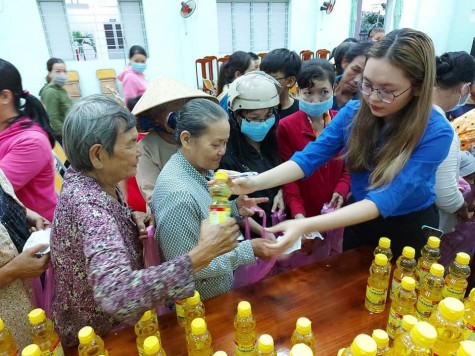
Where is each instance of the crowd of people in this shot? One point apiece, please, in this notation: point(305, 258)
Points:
point(367, 136)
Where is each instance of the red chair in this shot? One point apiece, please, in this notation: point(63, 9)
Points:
point(306, 54)
point(322, 53)
point(262, 54)
point(214, 65)
point(206, 66)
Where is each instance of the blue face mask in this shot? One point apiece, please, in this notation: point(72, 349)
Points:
point(257, 131)
point(315, 109)
point(138, 67)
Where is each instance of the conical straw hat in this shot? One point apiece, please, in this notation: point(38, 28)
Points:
point(165, 90)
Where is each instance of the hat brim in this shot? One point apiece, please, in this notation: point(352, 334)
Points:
point(165, 90)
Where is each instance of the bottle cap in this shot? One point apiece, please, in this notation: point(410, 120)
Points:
point(408, 252)
point(364, 345)
point(381, 337)
point(266, 343)
point(31, 350)
point(303, 326)
point(433, 242)
point(423, 334)
point(380, 259)
point(466, 348)
point(37, 316)
point(151, 345)
point(408, 321)
point(340, 352)
point(437, 270)
point(301, 350)
point(198, 326)
point(220, 353)
point(146, 316)
point(195, 299)
point(2, 325)
point(86, 335)
point(244, 309)
point(384, 242)
point(408, 283)
point(221, 175)
point(462, 258)
point(451, 308)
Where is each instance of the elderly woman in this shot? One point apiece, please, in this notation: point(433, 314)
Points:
point(95, 246)
point(163, 97)
point(17, 266)
point(181, 199)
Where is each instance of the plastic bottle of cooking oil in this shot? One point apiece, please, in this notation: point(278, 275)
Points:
point(448, 321)
point(180, 312)
point(430, 254)
point(145, 327)
point(220, 208)
point(382, 341)
point(30, 350)
point(193, 309)
point(407, 323)
point(199, 339)
point(301, 350)
point(245, 336)
point(430, 292)
point(7, 344)
point(384, 247)
point(303, 333)
point(378, 282)
point(466, 348)
point(404, 303)
point(153, 347)
point(469, 316)
point(456, 280)
point(43, 333)
point(265, 346)
point(90, 344)
point(418, 342)
point(362, 345)
point(405, 266)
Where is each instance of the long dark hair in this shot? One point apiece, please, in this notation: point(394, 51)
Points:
point(32, 108)
point(238, 62)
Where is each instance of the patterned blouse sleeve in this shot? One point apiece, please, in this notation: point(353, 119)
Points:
point(179, 224)
point(121, 291)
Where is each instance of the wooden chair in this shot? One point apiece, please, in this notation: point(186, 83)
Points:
point(262, 54)
point(60, 164)
point(108, 84)
point(222, 60)
point(306, 54)
point(72, 85)
point(322, 53)
point(213, 68)
point(206, 67)
point(209, 87)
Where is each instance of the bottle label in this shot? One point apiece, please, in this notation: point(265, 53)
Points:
point(376, 296)
point(56, 349)
point(425, 306)
point(242, 350)
point(218, 215)
point(394, 322)
point(396, 283)
point(469, 332)
point(180, 312)
point(422, 272)
point(451, 291)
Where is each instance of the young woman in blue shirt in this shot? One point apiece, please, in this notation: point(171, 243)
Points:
point(393, 142)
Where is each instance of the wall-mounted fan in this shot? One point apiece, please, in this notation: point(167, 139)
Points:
point(187, 8)
point(328, 6)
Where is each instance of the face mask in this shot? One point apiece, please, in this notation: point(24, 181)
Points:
point(138, 67)
point(59, 79)
point(315, 109)
point(460, 104)
point(257, 131)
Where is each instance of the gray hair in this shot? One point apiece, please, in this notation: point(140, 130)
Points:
point(95, 119)
point(196, 116)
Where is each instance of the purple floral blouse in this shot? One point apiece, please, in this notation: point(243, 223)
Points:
point(97, 258)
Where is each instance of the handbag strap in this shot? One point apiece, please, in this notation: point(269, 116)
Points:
point(247, 226)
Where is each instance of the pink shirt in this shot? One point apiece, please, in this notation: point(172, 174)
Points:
point(27, 160)
point(133, 84)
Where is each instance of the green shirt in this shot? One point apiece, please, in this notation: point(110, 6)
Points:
point(57, 103)
point(180, 201)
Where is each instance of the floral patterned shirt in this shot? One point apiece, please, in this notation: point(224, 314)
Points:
point(98, 264)
point(180, 201)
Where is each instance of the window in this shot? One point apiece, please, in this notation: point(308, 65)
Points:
point(86, 30)
point(253, 25)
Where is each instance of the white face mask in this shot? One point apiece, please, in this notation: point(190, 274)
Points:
point(59, 79)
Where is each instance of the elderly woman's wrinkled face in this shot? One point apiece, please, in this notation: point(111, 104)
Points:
point(123, 163)
point(352, 74)
point(206, 151)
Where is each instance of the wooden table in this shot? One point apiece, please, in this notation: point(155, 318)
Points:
point(330, 293)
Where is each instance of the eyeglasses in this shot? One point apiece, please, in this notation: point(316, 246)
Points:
point(280, 78)
point(386, 96)
point(269, 114)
